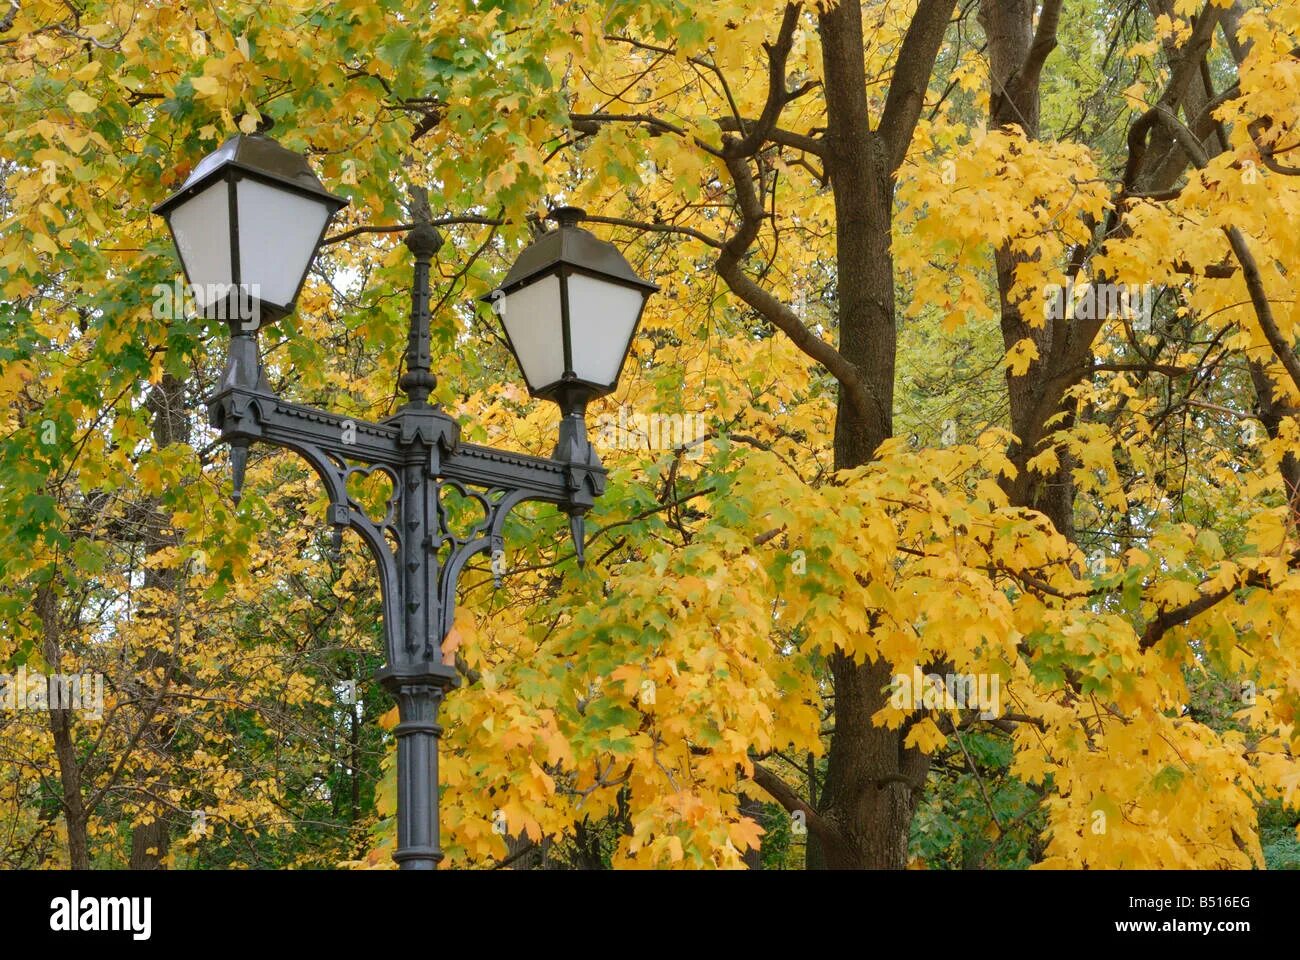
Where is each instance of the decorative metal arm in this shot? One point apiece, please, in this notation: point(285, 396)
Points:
point(418, 554)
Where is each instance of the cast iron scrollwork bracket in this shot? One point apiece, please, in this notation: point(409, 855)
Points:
point(418, 553)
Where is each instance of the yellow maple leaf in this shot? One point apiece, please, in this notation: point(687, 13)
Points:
point(1021, 356)
point(82, 102)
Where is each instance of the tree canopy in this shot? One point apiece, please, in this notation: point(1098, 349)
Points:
point(987, 315)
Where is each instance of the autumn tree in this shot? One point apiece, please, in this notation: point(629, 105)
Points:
point(882, 232)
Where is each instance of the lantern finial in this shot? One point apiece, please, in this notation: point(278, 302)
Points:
point(567, 216)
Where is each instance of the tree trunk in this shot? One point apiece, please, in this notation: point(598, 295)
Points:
point(149, 846)
point(877, 782)
point(65, 749)
point(1014, 76)
point(873, 782)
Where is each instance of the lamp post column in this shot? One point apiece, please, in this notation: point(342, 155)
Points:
point(420, 680)
point(418, 731)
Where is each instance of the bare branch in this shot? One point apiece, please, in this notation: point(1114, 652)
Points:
point(773, 310)
point(1283, 348)
point(777, 95)
point(777, 135)
point(403, 227)
point(785, 795)
point(658, 227)
point(590, 123)
point(911, 78)
point(1044, 42)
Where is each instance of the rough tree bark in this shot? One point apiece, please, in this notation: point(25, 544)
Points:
point(65, 748)
point(1017, 52)
point(874, 783)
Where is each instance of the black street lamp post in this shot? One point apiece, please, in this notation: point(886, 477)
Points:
point(247, 224)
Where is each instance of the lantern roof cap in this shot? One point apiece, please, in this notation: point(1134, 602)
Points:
point(569, 245)
point(259, 156)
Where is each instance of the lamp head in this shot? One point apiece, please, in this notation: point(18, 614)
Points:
point(570, 307)
point(247, 223)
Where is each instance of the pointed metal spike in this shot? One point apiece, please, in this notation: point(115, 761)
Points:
point(578, 529)
point(238, 465)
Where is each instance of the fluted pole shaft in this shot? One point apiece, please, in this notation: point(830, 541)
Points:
point(418, 380)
